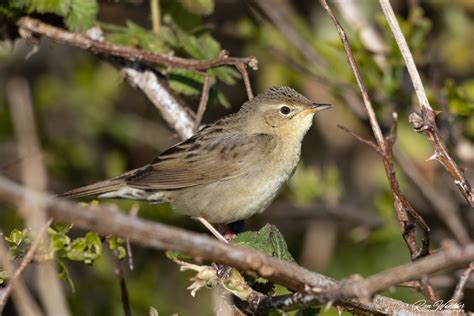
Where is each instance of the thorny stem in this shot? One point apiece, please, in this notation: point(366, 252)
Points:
point(402, 205)
point(426, 124)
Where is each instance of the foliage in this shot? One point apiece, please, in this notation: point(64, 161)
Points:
point(268, 239)
point(61, 247)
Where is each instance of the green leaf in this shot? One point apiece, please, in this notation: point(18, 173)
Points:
point(116, 246)
point(3, 276)
point(186, 82)
point(64, 275)
point(62, 228)
point(268, 240)
point(59, 7)
point(198, 7)
point(172, 255)
point(82, 14)
point(94, 243)
point(16, 237)
point(76, 251)
point(221, 98)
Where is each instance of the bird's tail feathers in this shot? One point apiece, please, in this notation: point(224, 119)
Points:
point(95, 188)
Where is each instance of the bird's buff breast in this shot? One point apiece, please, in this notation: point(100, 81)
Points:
point(237, 198)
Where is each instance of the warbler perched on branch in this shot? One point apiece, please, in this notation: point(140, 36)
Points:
point(229, 170)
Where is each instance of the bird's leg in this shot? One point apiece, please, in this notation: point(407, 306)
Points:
point(211, 228)
point(232, 229)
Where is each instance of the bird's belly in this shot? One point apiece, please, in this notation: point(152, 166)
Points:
point(232, 200)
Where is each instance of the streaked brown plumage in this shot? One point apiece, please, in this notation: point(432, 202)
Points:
point(231, 169)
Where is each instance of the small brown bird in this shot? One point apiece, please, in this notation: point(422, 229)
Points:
point(229, 170)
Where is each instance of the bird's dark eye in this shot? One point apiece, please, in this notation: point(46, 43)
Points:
point(285, 110)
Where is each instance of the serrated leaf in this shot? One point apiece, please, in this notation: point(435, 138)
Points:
point(198, 7)
point(82, 14)
point(268, 239)
point(59, 7)
point(280, 248)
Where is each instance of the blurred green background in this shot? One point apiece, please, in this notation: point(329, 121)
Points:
point(336, 213)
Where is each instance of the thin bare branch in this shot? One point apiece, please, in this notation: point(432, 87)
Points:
point(203, 103)
point(384, 148)
point(407, 56)
point(426, 123)
point(403, 207)
point(361, 139)
point(369, 35)
point(459, 291)
point(355, 68)
point(279, 14)
point(30, 26)
point(443, 206)
point(174, 113)
point(245, 76)
point(123, 285)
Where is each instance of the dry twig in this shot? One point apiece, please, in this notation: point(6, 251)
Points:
point(443, 206)
point(459, 291)
point(384, 148)
point(123, 285)
point(426, 123)
point(203, 103)
point(29, 26)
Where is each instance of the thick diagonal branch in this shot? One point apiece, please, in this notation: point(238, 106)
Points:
point(108, 221)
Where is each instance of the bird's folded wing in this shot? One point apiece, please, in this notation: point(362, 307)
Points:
point(203, 160)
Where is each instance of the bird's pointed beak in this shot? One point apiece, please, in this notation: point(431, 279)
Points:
point(317, 107)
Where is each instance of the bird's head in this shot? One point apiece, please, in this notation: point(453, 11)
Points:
point(282, 111)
